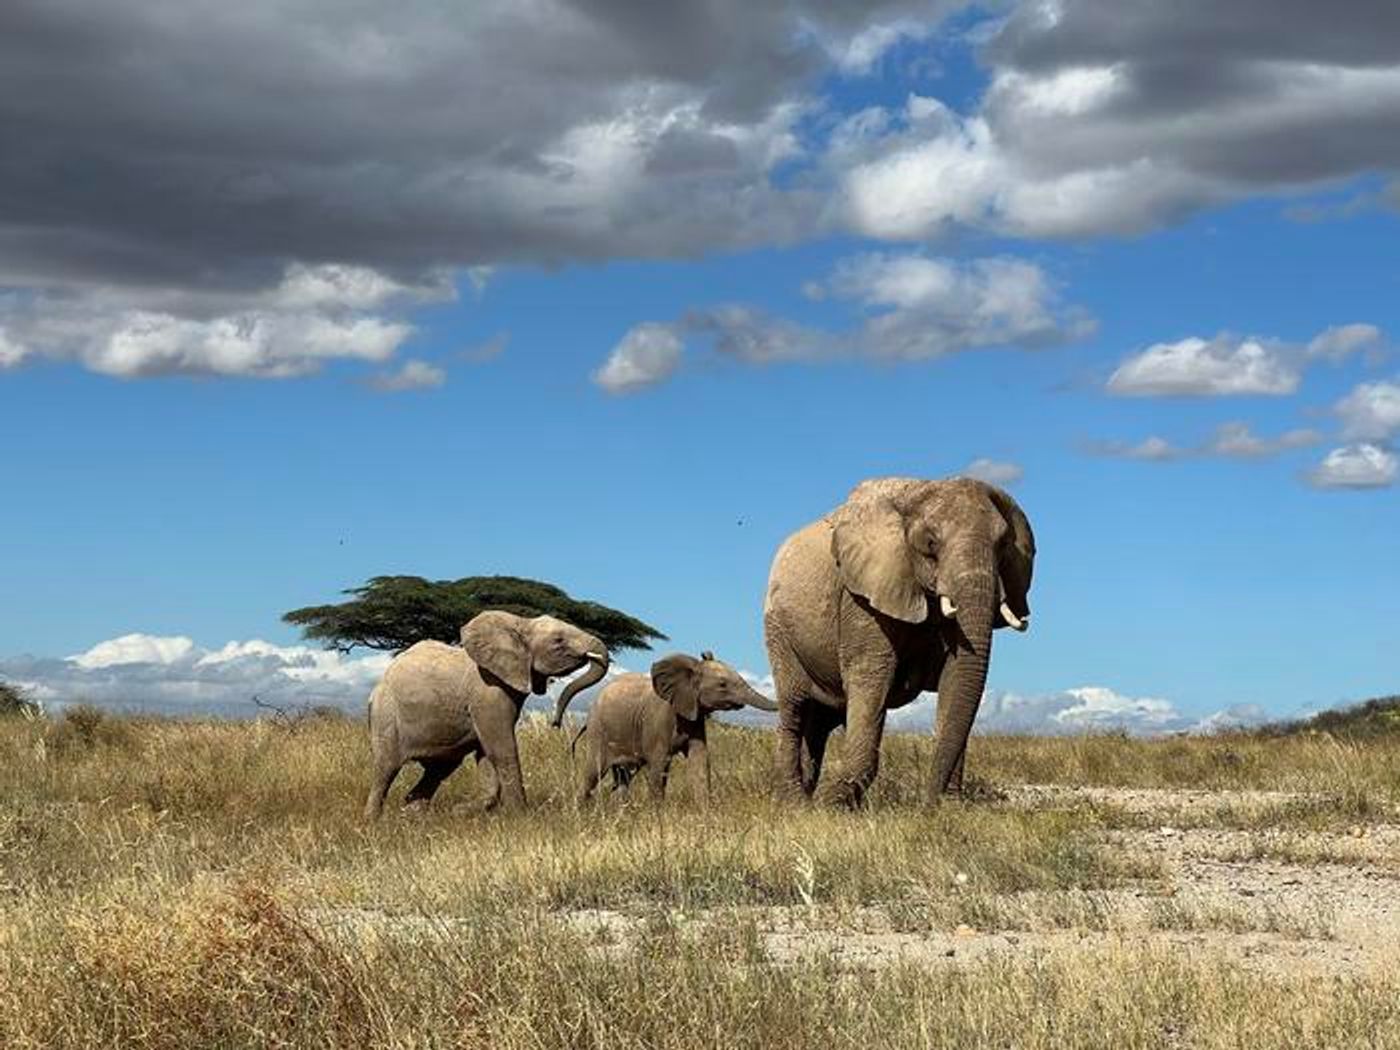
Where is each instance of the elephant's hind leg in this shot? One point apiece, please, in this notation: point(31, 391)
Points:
point(588, 779)
point(384, 775)
point(622, 779)
point(435, 771)
point(818, 722)
point(788, 772)
point(657, 775)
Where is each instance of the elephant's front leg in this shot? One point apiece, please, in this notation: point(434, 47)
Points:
point(490, 783)
point(657, 774)
point(495, 716)
point(697, 757)
point(868, 681)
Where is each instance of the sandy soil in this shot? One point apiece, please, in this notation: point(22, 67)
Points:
point(1278, 900)
point(1336, 912)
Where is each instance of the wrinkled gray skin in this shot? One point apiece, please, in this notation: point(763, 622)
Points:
point(855, 626)
point(643, 721)
point(437, 704)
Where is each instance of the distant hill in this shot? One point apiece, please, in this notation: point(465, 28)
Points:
point(1378, 717)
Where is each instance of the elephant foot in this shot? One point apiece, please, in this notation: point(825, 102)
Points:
point(971, 790)
point(843, 794)
point(933, 798)
point(790, 792)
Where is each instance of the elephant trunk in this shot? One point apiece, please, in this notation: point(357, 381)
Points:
point(759, 701)
point(597, 668)
point(964, 674)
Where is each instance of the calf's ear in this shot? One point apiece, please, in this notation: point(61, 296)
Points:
point(676, 680)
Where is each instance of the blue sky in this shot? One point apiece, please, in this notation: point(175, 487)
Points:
point(847, 247)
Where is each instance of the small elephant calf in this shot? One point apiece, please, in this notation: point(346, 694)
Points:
point(643, 721)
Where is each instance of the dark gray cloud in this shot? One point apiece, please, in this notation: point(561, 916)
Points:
point(171, 172)
point(168, 170)
point(1203, 33)
point(1114, 116)
point(209, 144)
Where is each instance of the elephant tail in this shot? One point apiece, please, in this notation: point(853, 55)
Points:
point(369, 708)
point(578, 733)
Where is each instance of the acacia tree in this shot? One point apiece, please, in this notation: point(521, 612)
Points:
point(393, 612)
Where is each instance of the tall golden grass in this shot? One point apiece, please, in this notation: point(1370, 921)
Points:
point(169, 884)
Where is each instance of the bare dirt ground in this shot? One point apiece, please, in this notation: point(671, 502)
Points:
point(1281, 900)
point(1275, 900)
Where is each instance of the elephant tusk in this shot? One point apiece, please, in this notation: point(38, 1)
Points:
point(597, 658)
point(946, 606)
point(1012, 620)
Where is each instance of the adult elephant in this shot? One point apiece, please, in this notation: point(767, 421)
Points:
point(894, 593)
point(437, 704)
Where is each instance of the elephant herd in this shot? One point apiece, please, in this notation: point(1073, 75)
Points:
point(894, 593)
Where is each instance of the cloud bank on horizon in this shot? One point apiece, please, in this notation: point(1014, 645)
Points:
point(171, 675)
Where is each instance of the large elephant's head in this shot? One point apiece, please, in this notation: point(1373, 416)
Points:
point(694, 687)
point(524, 653)
point(959, 550)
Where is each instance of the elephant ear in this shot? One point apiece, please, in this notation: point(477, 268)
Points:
point(1017, 557)
point(494, 640)
point(676, 680)
point(872, 553)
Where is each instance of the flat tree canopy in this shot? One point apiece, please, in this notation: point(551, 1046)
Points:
point(393, 612)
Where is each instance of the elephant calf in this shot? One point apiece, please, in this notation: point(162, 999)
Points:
point(437, 704)
point(643, 721)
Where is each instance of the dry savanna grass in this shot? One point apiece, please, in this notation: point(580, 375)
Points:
point(170, 883)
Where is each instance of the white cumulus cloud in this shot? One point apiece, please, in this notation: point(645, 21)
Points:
point(411, 375)
point(1207, 368)
point(11, 353)
point(313, 316)
point(171, 674)
point(1114, 117)
point(134, 649)
point(1359, 466)
point(647, 354)
point(1371, 412)
point(1082, 709)
point(1237, 440)
point(907, 306)
point(1232, 440)
point(1153, 449)
point(1342, 341)
point(998, 472)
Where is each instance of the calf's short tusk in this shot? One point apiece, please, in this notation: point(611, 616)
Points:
point(597, 658)
point(1014, 621)
point(946, 606)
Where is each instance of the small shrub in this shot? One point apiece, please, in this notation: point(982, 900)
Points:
point(13, 702)
point(84, 728)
